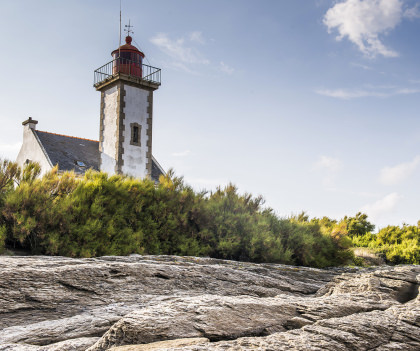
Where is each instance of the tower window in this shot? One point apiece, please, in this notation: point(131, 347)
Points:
point(135, 134)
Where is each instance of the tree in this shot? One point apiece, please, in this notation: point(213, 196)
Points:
point(358, 225)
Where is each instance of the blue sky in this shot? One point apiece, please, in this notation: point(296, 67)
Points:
point(312, 104)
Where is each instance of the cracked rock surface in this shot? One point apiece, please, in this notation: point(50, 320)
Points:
point(187, 303)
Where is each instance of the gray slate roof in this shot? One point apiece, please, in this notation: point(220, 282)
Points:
point(66, 151)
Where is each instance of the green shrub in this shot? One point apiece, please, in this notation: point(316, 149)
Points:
point(97, 214)
point(358, 225)
point(397, 244)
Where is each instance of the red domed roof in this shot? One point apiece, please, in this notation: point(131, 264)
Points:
point(127, 47)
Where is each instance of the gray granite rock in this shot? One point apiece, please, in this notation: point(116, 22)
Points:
point(396, 328)
point(79, 344)
point(56, 303)
point(161, 344)
point(33, 289)
point(226, 317)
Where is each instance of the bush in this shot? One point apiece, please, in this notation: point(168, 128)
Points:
point(9, 174)
point(358, 225)
point(331, 240)
point(97, 214)
point(398, 245)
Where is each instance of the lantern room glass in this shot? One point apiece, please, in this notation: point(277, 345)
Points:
point(128, 63)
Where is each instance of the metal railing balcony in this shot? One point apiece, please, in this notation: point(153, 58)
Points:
point(127, 67)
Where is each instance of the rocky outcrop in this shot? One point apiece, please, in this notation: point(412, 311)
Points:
point(221, 318)
point(393, 329)
point(162, 345)
point(68, 345)
point(128, 303)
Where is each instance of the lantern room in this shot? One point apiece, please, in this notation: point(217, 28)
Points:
point(127, 59)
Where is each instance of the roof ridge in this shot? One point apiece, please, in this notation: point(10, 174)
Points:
point(67, 136)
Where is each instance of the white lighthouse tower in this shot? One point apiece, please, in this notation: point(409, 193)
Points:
point(126, 114)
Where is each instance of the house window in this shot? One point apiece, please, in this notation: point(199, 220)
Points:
point(135, 134)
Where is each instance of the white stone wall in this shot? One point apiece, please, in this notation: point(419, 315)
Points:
point(110, 137)
point(135, 157)
point(31, 150)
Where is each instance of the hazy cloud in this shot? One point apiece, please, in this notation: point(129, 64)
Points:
point(9, 151)
point(181, 154)
point(413, 12)
point(329, 163)
point(225, 68)
point(330, 166)
point(179, 66)
point(381, 207)
point(197, 37)
point(206, 183)
point(365, 194)
point(180, 49)
point(397, 174)
point(363, 21)
point(365, 67)
point(378, 92)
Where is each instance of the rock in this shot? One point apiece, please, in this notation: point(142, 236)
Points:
point(399, 283)
point(18, 347)
point(93, 322)
point(369, 256)
point(41, 289)
point(161, 344)
point(56, 303)
point(79, 344)
point(225, 317)
point(394, 329)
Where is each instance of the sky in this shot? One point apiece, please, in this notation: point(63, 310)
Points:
point(313, 104)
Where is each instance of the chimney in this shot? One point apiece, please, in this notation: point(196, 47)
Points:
point(30, 123)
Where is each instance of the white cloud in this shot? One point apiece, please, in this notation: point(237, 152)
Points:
point(225, 68)
point(365, 67)
point(397, 174)
point(330, 166)
point(180, 49)
point(197, 37)
point(207, 181)
point(363, 21)
point(9, 151)
point(181, 154)
point(406, 91)
point(378, 92)
point(365, 194)
point(329, 163)
point(413, 12)
point(179, 66)
point(381, 207)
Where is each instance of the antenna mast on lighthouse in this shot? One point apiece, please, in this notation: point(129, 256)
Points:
point(119, 50)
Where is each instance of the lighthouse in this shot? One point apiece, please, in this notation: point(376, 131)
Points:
point(126, 112)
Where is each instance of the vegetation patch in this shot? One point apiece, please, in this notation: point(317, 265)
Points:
point(97, 214)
